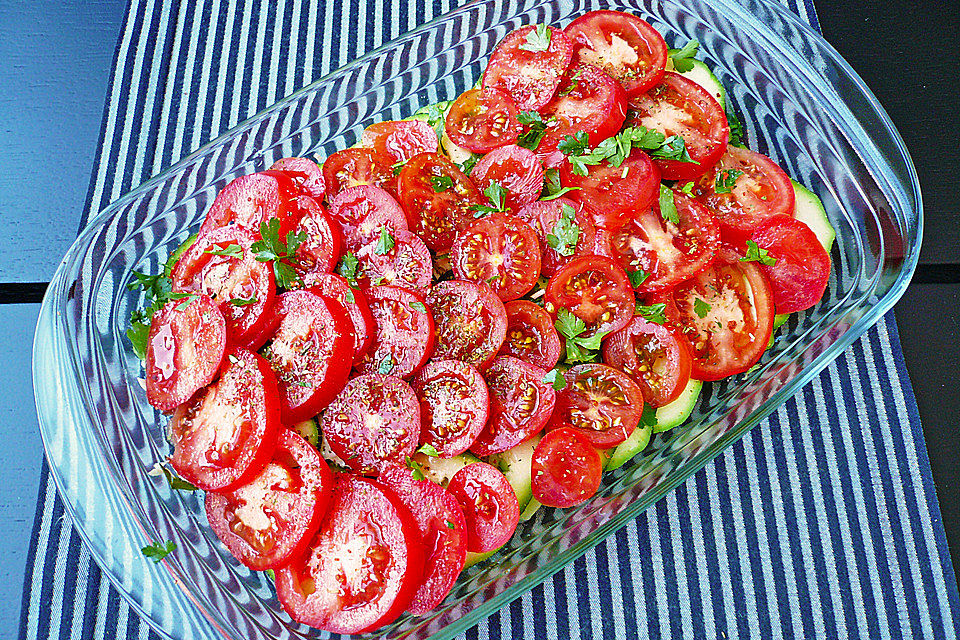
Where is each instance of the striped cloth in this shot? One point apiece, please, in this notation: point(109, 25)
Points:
point(794, 532)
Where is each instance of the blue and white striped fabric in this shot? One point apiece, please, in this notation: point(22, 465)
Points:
point(818, 524)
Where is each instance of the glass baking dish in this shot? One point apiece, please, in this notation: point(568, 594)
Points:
point(801, 104)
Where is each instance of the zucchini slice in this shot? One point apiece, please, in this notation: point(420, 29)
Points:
point(309, 430)
point(809, 209)
point(703, 76)
point(676, 413)
point(441, 470)
point(515, 465)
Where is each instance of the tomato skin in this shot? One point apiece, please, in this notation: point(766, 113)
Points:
point(514, 168)
point(400, 140)
point(443, 529)
point(705, 130)
point(436, 216)
point(520, 405)
point(655, 356)
point(364, 520)
point(489, 506)
point(454, 405)
point(592, 287)
point(407, 264)
point(362, 212)
point(403, 332)
point(589, 100)
point(565, 469)
point(592, 35)
point(611, 198)
point(501, 250)
point(319, 252)
point(470, 320)
point(185, 347)
point(246, 391)
point(482, 120)
point(354, 301)
point(801, 272)
point(543, 216)
point(253, 199)
point(355, 167)
point(529, 77)
point(376, 418)
point(299, 482)
point(531, 336)
point(306, 175)
point(306, 353)
point(603, 405)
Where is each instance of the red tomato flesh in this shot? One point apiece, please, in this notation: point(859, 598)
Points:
point(319, 252)
point(531, 336)
point(589, 100)
point(655, 356)
point(401, 139)
point(454, 405)
point(362, 212)
point(601, 404)
point(802, 268)
point(529, 77)
point(305, 173)
point(489, 505)
point(515, 169)
point(501, 250)
point(482, 120)
point(407, 263)
point(470, 320)
point(354, 301)
point(596, 290)
point(544, 217)
point(613, 195)
point(358, 166)
point(403, 334)
point(253, 199)
point(565, 469)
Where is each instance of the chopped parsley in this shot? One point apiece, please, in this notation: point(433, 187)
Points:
point(565, 233)
point(687, 189)
point(419, 306)
point(579, 348)
point(428, 449)
point(673, 148)
point(348, 267)
point(415, 467)
point(572, 83)
point(683, 58)
point(242, 302)
point(649, 416)
point(534, 128)
point(496, 196)
point(555, 379)
point(756, 253)
point(736, 127)
point(637, 277)
point(616, 149)
point(385, 366)
point(726, 180)
point(467, 165)
point(552, 187)
point(397, 167)
point(538, 39)
point(229, 251)
point(668, 207)
point(271, 248)
point(385, 243)
point(158, 551)
point(176, 482)
point(655, 313)
point(450, 525)
point(441, 183)
point(701, 308)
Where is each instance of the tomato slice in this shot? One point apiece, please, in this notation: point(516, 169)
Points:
point(437, 198)
point(471, 322)
point(572, 237)
point(515, 169)
point(589, 100)
point(596, 290)
point(443, 529)
point(226, 433)
point(621, 44)
point(565, 469)
point(726, 314)
point(401, 139)
point(669, 253)
point(362, 212)
point(306, 353)
point(185, 346)
point(319, 252)
point(614, 194)
point(761, 190)
point(253, 199)
point(407, 263)
point(531, 336)
point(679, 106)
point(358, 166)
point(270, 520)
point(375, 418)
point(305, 173)
point(655, 356)
point(454, 405)
point(802, 268)
point(403, 334)
point(489, 505)
point(362, 567)
point(502, 251)
point(529, 77)
point(221, 265)
point(355, 302)
point(520, 405)
point(603, 405)
point(482, 120)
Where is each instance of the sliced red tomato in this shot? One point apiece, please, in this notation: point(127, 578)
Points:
point(397, 258)
point(320, 250)
point(613, 195)
point(482, 120)
point(271, 519)
point(358, 166)
point(667, 252)
point(401, 139)
point(528, 65)
point(531, 336)
point(471, 322)
point(375, 418)
point(454, 405)
point(221, 265)
point(501, 250)
point(802, 268)
point(655, 356)
point(621, 44)
point(603, 405)
point(363, 566)
point(306, 353)
point(761, 189)
point(443, 529)
point(520, 405)
point(565, 229)
point(515, 169)
point(306, 174)
point(362, 212)
point(489, 505)
point(403, 335)
point(253, 199)
point(225, 434)
point(437, 198)
point(679, 106)
point(565, 469)
point(589, 100)
point(185, 346)
point(355, 302)
point(596, 290)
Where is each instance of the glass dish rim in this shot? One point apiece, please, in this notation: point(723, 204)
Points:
point(562, 559)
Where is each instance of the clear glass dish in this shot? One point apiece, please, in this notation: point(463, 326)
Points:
point(802, 105)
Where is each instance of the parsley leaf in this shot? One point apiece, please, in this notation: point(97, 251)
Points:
point(186, 297)
point(534, 130)
point(467, 165)
point(637, 277)
point(569, 325)
point(385, 366)
point(655, 313)
point(683, 58)
point(428, 449)
point(397, 167)
point(348, 267)
point(649, 416)
point(419, 306)
point(158, 551)
point(555, 378)
point(726, 180)
point(668, 208)
point(755, 253)
point(386, 242)
point(687, 189)
point(736, 127)
point(441, 183)
point(701, 308)
point(574, 145)
point(271, 248)
point(176, 482)
point(496, 195)
point(229, 251)
point(450, 525)
point(349, 298)
point(137, 334)
point(566, 233)
point(434, 115)
point(673, 148)
point(552, 186)
point(538, 39)
point(572, 83)
point(242, 302)
point(414, 466)
point(579, 348)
